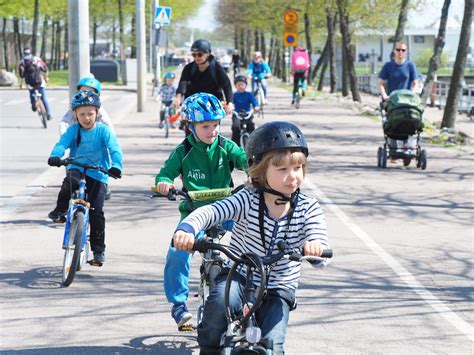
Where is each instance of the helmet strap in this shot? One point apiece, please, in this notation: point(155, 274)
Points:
point(282, 199)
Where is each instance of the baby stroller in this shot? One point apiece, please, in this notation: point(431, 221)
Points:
point(401, 120)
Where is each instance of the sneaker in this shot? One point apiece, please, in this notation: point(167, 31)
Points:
point(57, 216)
point(99, 257)
point(49, 118)
point(162, 124)
point(293, 101)
point(180, 314)
point(302, 93)
point(33, 107)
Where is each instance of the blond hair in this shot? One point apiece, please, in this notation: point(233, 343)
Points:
point(258, 171)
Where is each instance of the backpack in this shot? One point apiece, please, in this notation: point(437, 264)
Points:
point(404, 113)
point(31, 72)
point(300, 61)
point(188, 147)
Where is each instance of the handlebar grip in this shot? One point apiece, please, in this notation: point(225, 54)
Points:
point(201, 245)
point(327, 253)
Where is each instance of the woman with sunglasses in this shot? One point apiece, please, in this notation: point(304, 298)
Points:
point(204, 75)
point(398, 73)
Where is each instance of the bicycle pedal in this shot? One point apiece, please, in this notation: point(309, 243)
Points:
point(95, 263)
point(186, 328)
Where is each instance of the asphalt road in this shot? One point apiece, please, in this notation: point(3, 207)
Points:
point(400, 281)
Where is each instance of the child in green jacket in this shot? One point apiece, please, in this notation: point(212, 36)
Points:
point(204, 161)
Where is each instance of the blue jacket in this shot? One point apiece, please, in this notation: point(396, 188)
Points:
point(243, 101)
point(97, 146)
point(258, 70)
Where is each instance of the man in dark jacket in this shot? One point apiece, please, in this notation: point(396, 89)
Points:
point(204, 74)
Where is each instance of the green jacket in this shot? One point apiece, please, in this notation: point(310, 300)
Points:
point(204, 167)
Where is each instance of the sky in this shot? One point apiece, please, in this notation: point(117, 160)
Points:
point(428, 13)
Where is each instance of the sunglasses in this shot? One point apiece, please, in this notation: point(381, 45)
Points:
point(400, 50)
point(198, 54)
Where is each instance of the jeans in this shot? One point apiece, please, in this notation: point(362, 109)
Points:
point(263, 82)
point(176, 274)
point(43, 97)
point(95, 196)
point(272, 316)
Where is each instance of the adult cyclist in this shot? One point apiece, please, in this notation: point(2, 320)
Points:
point(31, 68)
point(259, 69)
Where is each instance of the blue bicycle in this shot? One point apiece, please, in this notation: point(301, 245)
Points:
point(76, 234)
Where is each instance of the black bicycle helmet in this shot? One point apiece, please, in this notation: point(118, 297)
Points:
point(240, 78)
point(274, 136)
point(201, 45)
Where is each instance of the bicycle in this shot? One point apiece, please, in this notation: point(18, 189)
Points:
point(76, 239)
point(212, 262)
point(40, 108)
point(244, 118)
point(299, 94)
point(243, 334)
point(167, 112)
point(259, 95)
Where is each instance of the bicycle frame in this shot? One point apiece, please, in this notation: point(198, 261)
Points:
point(40, 108)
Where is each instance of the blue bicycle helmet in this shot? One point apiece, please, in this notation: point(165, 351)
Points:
point(91, 82)
point(202, 107)
point(169, 75)
point(85, 98)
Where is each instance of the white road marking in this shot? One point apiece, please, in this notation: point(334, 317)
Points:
point(9, 208)
point(403, 273)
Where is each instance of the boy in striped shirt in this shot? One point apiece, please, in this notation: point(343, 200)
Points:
point(271, 209)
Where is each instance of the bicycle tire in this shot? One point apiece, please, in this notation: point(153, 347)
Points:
point(42, 113)
point(244, 139)
point(72, 254)
point(297, 100)
point(167, 128)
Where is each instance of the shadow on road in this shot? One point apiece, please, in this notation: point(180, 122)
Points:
point(151, 344)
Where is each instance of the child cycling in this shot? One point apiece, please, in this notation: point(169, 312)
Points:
point(299, 69)
point(166, 95)
point(243, 101)
point(69, 118)
point(259, 69)
point(271, 209)
point(203, 160)
point(89, 143)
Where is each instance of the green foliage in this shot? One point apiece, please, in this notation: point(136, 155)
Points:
point(424, 56)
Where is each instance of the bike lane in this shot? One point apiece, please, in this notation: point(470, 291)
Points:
point(358, 304)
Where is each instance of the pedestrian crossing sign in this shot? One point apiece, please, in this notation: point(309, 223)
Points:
point(162, 15)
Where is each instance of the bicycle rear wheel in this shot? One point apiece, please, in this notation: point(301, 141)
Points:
point(72, 254)
point(42, 113)
point(297, 100)
point(167, 128)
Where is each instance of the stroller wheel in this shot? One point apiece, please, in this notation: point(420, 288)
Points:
point(423, 160)
point(383, 158)
point(379, 157)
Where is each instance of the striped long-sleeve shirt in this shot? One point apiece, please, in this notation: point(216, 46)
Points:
point(307, 224)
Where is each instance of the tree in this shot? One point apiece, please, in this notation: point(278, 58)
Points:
point(346, 43)
point(449, 115)
point(402, 20)
point(331, 26)
point(35, 27)
point(438, 50)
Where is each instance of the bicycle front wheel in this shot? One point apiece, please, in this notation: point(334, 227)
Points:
point(72, 254)
point(167, 128)
point(42, 113)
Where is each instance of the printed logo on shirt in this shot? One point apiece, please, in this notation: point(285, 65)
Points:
point(196, 174)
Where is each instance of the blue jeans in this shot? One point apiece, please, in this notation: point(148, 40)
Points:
point(176, 274)
point(43, 97)
point(264, 86)
point(272, 316)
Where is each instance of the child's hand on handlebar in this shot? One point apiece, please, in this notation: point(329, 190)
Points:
point(313, 248)
point(183, 241)
point(164, 187)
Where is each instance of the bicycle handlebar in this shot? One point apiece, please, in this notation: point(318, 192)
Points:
point(71, 161)
point(244, 115)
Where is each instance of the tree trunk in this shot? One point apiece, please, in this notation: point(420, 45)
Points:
point(5, 44)
point(53, 32)
point(278, 60)
point(16, 35)
point(248, 45)
point(236, 37)
point(283, 64)
point(345, 74)
point(121, 29)
point(346, 42)
point(114, 37)
point(402, 20)
point(35, 27)
point(94, 36)
point(271, 54)
point(309, 46)
point(66, 47)
point(323, 73)
point(43, 37)
point(450, 111)
point(331, 25)
point(57, 60)
point(320, 61)
point(256, 41)
point(242, 51)
point(262, 44)
point(133, 54)
point(438, 50)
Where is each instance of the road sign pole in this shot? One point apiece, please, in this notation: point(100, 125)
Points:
point(141, 55)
